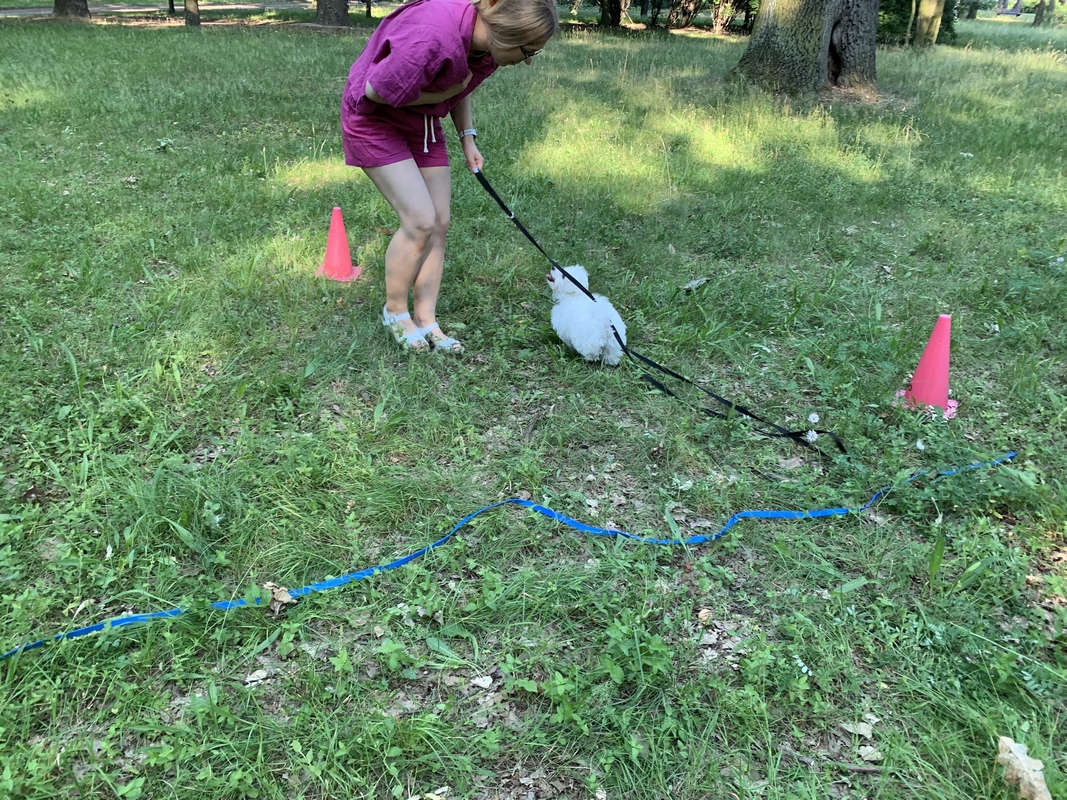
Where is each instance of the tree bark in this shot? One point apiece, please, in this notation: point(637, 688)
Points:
point(1044, 13)
point(71, 8)
point(806, 45)
point(928, 23)
point(611, 13)
point(192, 13)
point(683, 12)
point(333, 13)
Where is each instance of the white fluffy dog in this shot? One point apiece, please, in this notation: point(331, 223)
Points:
point(583, 324)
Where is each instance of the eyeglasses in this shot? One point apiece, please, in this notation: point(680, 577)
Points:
point(527, 56)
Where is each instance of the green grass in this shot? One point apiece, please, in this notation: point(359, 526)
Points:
point(188, 413)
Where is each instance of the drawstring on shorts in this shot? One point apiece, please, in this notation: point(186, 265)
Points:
point(428, 133)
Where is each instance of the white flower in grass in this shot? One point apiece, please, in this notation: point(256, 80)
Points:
point(813, 418)
point(967, 155)
point(810, 437)
point(919, 444)
point(1059, 259)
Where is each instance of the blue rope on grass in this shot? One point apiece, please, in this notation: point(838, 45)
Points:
point(333, 583)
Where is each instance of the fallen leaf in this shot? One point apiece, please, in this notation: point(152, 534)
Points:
point(279, 597)
point(259, 676)
point(868, 753)
point(483, 682)
point(694, 284)
point(860, 728)
point(1021, 769)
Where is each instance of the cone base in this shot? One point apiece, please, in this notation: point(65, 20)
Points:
point(322, 272)
point(947, 413)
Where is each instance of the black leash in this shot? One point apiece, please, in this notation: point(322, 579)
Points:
point(800, 437)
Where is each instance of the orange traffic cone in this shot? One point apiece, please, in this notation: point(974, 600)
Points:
point(929, 384)
point(337, 265)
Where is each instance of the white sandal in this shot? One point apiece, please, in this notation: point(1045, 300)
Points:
point(408, 341)
point(446, 343)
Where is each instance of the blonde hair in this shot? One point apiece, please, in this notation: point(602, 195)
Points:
point(511, 23)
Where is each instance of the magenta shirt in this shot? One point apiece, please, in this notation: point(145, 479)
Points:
point(424, 45)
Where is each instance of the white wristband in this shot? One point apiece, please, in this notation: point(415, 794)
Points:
point(468, 132)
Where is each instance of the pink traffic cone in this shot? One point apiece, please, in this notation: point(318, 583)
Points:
point(929, 384)
point(337, 265)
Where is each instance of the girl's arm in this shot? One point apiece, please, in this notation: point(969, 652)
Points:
point(424, 98)
point(463, 118)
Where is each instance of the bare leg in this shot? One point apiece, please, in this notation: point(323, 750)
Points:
point(428, 281)
point(404, 188)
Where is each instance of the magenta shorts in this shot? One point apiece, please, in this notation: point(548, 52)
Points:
point(393, 135)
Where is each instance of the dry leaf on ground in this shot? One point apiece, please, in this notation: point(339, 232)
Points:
point(279, 597)
point(861, 728)
point(259, 676)
point(868, 753)
point(1021, 769)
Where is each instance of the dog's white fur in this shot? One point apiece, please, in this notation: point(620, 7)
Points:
point(581, 323)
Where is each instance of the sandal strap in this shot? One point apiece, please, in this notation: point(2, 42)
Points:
point(389, 319)
point(445, 343)
point(406, 338)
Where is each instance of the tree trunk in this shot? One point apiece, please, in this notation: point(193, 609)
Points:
point(806, 45)
point(1044, 13)
point(611, 13)
point(683, 12)
point(333, 13)
point(71, 8)
point(170, 8)
point(720, 15)
point(192, 13)
point(972, 9)
point(928, 23)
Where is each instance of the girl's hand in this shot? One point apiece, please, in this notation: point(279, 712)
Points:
point(471, 153)
point(459, 87)
point(433, 98)
point(452, 91)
